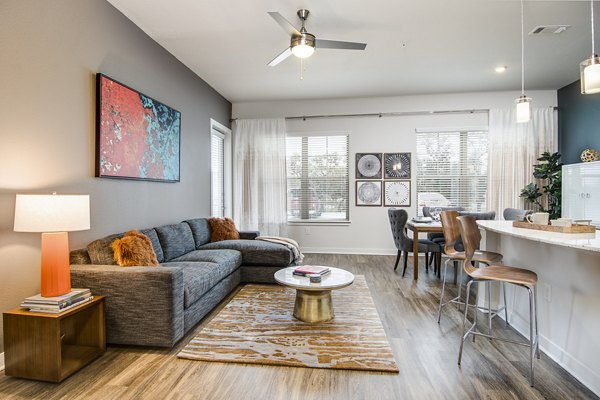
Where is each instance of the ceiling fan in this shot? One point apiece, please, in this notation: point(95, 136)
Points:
point(302, 43)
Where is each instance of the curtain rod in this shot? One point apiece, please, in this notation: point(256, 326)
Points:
point(390, 114)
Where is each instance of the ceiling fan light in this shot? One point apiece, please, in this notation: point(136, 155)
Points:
point(523, 109)
point(303, 46)
point(590, 75)
point(303, 50)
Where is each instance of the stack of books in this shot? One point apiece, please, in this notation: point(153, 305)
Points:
point(57, 304)
point(306, 270)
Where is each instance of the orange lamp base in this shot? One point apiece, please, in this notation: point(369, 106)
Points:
point(56, 274)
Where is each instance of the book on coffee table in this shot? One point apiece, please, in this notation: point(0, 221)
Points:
point(305, 270)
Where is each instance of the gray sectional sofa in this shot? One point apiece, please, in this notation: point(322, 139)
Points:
point(157, 305)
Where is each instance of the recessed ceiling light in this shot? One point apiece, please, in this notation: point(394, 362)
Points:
point(501, 69)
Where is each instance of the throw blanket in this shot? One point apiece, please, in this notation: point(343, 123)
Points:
point(289, 243)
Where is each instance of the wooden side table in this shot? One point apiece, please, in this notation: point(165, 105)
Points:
point(51, 347)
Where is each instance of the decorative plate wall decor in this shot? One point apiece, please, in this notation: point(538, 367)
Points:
point(396, 193)
point(368, 193)
point(368, 165)
point(397, 165)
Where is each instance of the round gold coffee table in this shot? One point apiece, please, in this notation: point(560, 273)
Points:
point(313, 300)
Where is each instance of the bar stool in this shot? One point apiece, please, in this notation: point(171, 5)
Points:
point(451, 236)
point(497, 273)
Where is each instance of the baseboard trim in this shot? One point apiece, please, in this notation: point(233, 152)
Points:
point(370, 252)
point(1, 361)
point(580, 371)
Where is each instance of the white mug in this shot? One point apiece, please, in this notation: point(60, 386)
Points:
point(538, 218)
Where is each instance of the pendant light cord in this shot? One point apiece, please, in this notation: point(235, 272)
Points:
point(592, 12)
point(523, 52)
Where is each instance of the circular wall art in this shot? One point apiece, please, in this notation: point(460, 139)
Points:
point(368, 193)
point(397, 165)
point(396, 193)
point(368, 165)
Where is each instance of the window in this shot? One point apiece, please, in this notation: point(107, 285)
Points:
point(220, 179)
point(317, 178)
point(452, 169)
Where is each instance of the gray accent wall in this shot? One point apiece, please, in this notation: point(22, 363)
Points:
point(578, 122)
point(51, 51)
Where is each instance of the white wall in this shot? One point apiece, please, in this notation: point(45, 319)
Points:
point(369, 231)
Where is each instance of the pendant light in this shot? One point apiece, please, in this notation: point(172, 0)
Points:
point(523, 102)
point(590, 69)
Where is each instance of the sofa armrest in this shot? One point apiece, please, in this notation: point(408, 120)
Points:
point(249, 235)
point(144, 305)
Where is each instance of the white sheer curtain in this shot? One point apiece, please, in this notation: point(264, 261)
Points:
point(259, 175)
point(513, 149)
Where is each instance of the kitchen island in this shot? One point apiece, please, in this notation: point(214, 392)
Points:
point(568, 268)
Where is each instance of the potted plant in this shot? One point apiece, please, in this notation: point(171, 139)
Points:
point(549, 171)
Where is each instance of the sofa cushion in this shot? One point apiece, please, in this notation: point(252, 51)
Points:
point(151, 233)
point(175, 240)
point(200, 277)
point(200, 230)
point(134, 249)
point(231, 258)
point(80, 256)
point(222, 229)
point(256, 252)
point(100, 251)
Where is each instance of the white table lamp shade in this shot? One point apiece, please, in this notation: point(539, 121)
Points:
point(52, 213)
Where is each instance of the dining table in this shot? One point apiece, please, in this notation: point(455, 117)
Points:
point(417, 227)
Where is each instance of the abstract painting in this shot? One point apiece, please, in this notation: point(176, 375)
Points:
point(137, 137)
point(368, 193)
point(368, 165)
point(397, 165)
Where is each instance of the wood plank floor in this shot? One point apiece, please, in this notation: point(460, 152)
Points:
point(426, 354)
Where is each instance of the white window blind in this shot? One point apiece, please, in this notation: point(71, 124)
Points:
point(453, 165)
point(317, 178)
point(217, 169)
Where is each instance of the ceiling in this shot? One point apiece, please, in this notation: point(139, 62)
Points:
point(413, 46)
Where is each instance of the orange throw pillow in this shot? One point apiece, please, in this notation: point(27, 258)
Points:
point(222, 229)
point(134, 248)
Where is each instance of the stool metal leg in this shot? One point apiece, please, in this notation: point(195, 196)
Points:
point(443, 289)
point(537, 337)
point(505, 305)
point(459, 282)
point(464, 335)
point(532, 349)
point(489, 299)
point(458, 299)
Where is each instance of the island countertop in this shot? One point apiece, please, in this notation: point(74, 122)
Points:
point(583, 241)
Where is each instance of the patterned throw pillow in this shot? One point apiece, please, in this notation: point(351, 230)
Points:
point(134, 249)
point(222, 229)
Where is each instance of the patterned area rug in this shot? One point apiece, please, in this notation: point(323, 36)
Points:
point(257, 327)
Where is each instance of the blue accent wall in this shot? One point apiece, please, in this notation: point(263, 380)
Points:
point(578, 122)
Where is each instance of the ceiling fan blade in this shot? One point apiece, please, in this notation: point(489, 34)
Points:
point(282, 56)
point(335, 44)
point(284, 23)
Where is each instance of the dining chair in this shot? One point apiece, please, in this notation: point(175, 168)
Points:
point(497, 273)
point(398, 219)
point(513, 214)
point(452, 236)
point(479, 215)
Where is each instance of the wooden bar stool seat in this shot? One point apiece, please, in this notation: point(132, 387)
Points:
point(452, 236)
point(497, 273)
point(505, 273)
